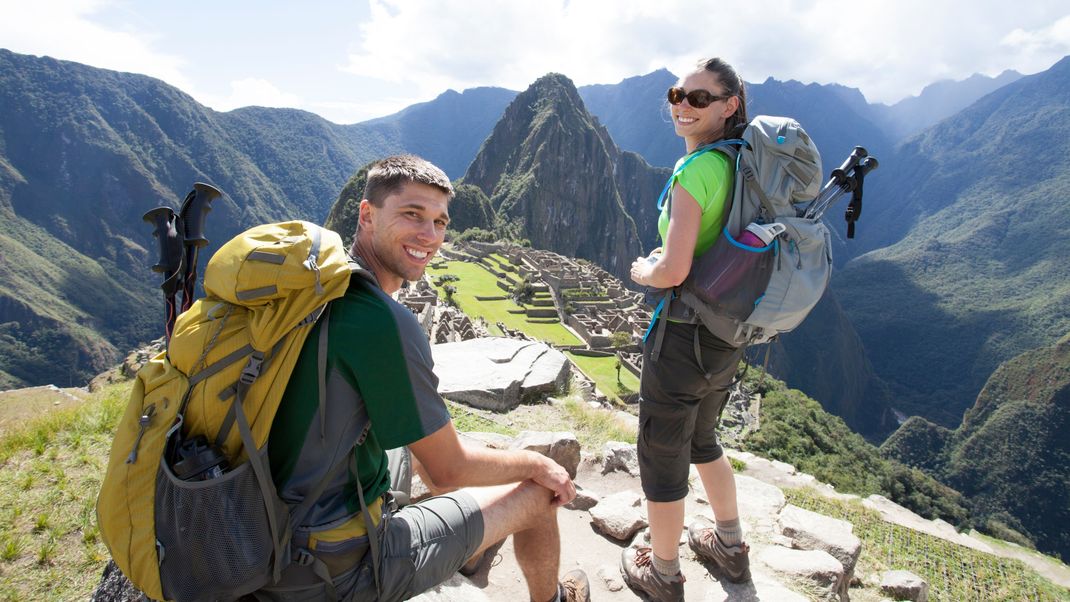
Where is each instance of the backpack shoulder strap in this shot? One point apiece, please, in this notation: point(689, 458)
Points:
point(728, 147)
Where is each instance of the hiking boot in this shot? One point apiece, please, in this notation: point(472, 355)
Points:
point(574, 587)
point(733, 560)
point(637, 568)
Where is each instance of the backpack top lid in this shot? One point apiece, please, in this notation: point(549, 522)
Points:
point(281, 272)
point(784, 158)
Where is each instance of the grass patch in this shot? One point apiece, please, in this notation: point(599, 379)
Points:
point(953, 572)
point(475, 281)
point(467, 419)
point(50, 473)
point(603, 371)
point(594, 427)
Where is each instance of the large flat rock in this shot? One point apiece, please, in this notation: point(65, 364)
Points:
point(496, 373)
point(812, 531)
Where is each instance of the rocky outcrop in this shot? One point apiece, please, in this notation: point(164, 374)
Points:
point(498, 374)
point(562, 448)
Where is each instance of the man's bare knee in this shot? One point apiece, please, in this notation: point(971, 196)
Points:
point(508, 509)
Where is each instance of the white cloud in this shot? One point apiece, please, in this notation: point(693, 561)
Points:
point(253, 91)
point(64, 29)
point(889, 50)
point(1040, 47)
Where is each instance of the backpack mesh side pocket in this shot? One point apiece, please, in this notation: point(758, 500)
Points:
point(228, 519)
point(731, 277)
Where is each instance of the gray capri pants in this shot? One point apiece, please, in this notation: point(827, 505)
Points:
point(680, 409)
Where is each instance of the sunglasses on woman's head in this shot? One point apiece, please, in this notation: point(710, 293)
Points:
point(700, 99)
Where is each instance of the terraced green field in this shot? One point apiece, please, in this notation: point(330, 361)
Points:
point(603, 371)
point(476, 281)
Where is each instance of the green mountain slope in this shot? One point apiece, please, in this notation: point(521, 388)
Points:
point(84, 152)
point(972, 216)
point(1011, 455)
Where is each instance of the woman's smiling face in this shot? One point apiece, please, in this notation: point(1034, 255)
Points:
point(706, 124)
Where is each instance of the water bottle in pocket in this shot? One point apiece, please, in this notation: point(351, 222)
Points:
point(733, 274)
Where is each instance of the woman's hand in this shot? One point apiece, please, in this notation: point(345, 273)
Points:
point(641, 269)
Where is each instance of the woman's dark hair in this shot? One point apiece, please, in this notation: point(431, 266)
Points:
point(734, 86)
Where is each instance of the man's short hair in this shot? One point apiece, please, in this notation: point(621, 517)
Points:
point(388, 175)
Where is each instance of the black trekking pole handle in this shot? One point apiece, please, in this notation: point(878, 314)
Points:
point(840, 173)
point(168, 233)
point(858, 177)
point(194, 211)
point(838, 179)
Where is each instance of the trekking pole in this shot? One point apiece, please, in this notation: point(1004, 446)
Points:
point(853, 184)
point(168, 233)
point(854, 208)
point(194, 210)
point(837, 179)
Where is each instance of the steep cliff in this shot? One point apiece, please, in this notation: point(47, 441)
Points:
point(550, 167)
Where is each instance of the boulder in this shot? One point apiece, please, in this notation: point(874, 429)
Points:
point(812, 531)
point(759, 502)
point(585, 499)
point(619, 515)
point(497, 373)
point(904, 585)
point(562, 448)
point(814, 565)
point(620, 456)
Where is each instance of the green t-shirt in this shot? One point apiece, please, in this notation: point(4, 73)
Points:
point(708, 178)
point(378, 361)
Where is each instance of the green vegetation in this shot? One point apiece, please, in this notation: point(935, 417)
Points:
point(50, 471)
point(603, 371)
point(476, 281)
point(1010, 455)
point(953, 572)
point(592, 428)
point(795, 429)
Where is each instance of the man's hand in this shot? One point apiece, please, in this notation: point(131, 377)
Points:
point(555, 478)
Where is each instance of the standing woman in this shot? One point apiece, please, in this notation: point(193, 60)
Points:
point(680, 401)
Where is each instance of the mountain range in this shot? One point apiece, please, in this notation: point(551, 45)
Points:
point(956, 269)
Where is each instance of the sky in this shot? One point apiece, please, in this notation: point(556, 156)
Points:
point(356, 60)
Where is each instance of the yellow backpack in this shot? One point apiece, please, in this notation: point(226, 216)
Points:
point(188, 508)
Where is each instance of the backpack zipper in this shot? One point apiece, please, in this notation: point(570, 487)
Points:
point(144, 422)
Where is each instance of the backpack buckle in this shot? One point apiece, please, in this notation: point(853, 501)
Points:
point(252, 368)
point(303, 557)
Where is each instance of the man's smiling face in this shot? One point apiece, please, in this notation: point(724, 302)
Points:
point(402, 236)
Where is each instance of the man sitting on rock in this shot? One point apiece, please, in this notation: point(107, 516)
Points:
point(379, 359)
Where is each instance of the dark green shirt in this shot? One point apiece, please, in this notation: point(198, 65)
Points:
point(378, 360)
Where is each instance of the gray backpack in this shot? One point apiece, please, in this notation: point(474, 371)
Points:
point(746, 294)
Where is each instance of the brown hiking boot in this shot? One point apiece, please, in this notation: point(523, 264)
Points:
point(574, 587)
point(637, 568)
point(733, 560)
